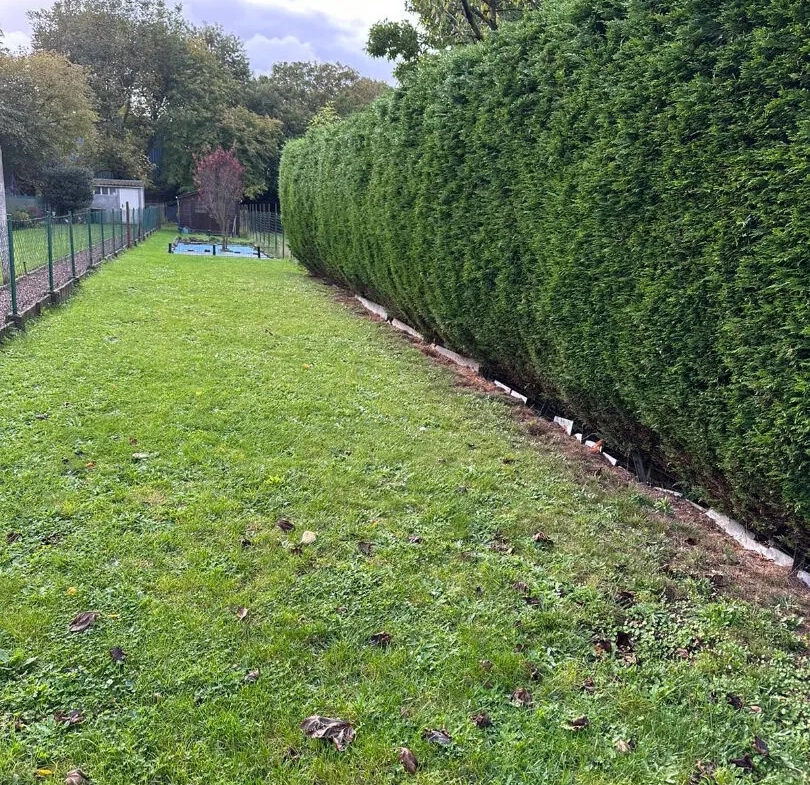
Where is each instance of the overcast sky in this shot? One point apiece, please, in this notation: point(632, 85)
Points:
point(273, 30)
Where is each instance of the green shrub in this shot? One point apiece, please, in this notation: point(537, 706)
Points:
point(67, 188)
point(609, 204)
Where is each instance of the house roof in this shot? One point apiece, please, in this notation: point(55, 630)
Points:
point(118, 183)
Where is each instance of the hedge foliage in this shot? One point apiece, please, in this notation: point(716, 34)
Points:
point(608, 203)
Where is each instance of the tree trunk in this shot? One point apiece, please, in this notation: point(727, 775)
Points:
point(223, 224)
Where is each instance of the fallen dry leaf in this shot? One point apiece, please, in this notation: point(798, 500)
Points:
point(625, 599)
point(339, 732)
point(366, 548)
point(625, 747)
point(624, 642)
point(520, 587)
point(72, 717)
point(441, 737)
point(251, 677)
point(117, 654)
point(521, 697)
point(42, 416)
point(141, 456)
point(241, 613)
point(133, 442)
point(245, 542)
point(541, 538)
point(52, 539)
point(485, 665)
point(580, 723)
point(380, 639)
point(83, 621)
point(308, 538)
point(414, 539)
point(760, 746)
point(285, 525)
point(602, 647)
point(482, 719)
point(589, 685)
point(12, 537)
point(291, 754)
point(734, 701)
point(597, 448)
point(76, 777)
point(90, 465)
point(746, 762)
point(408, 760)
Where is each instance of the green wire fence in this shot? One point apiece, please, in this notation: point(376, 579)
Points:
point(45, 254)
point(262, 224)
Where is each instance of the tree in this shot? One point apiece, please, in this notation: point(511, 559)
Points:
point(67, 188)
point(295, 92)
point(132, 51)
point(46, 113)
point(220, 179)
point(443, 23)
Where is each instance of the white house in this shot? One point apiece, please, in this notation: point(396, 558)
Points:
point(115, 194)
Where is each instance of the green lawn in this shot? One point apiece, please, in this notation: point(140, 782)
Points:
point(257, 396)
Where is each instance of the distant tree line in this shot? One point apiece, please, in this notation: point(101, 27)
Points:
point(132, 89)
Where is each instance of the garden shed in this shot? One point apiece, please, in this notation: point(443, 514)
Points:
point(192, 215)
point(112, 194)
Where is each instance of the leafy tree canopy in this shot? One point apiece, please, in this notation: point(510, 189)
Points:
point(66, 188)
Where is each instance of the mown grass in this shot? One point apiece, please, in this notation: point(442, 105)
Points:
point(257, 396)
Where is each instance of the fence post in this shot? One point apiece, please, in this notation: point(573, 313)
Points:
point(89, 219)
point(11, 270)
point(129, 230)
point(49, 225)
point(103, 250)
point(72, 245)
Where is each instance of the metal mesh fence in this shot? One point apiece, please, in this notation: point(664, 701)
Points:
point(262, 224)
point(45, 254)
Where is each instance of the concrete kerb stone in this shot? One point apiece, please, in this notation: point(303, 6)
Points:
point(731, 527)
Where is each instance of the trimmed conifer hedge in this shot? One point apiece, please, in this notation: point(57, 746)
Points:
point(608, 203)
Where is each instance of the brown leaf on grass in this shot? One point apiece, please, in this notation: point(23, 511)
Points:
point(625, 599)
point(746, 762)
point(12, 537)
point(624, 642)
point(408, 760)
point(704, 771)
point(380, 639)
point(42, 416)
point(242, 613)
point(580, 723)
point(485, 665)
point(245, 542)
point(521, 697)
point(507, 461)
point(625, 747)
point(291, 754)
point(309, 538)
point(597, 448)
point(141, 456)
point(285, 525)
point(760, 746)
point(682, 654)
point(520, 587)
point(52, 539)
point(500, 545)
point(251, 677)
point(72, 717)
point(90, 465)
point(735, 701)
point(117, 654)
point(440, 737)
point(589, 685)
point(415, 539)
point(83, 621)
point(533, 601)
point(541, 538)
point(133, 442)
point(602, 647)
point(76, 777)
point(339, 732)
point(532, 671)
point(482, 719)
point(19, 725)
point(366, 548)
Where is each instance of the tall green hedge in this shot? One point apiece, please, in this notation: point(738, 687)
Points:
point(608, 203)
